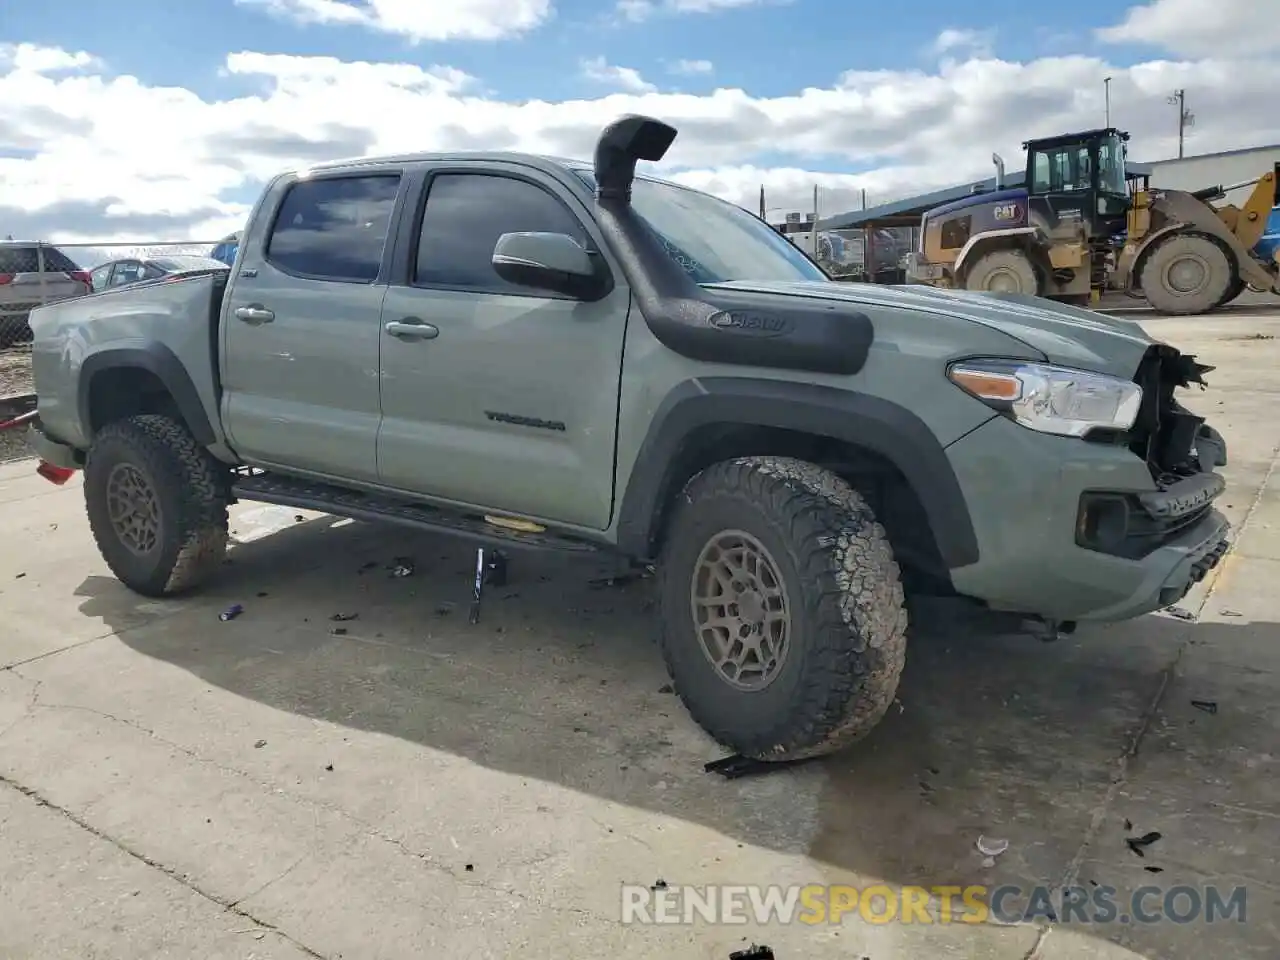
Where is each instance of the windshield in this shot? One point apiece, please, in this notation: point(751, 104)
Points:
point(711, 239)
point(1111, 171)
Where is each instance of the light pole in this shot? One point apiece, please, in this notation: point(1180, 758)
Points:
point(1106, 92)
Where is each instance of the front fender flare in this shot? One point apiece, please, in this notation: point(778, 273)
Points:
point(164, 364)
point(873, 423)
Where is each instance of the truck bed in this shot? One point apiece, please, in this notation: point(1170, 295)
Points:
point(167, 325)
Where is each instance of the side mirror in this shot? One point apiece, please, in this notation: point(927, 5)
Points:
point(547, 261)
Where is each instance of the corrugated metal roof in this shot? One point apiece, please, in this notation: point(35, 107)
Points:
point(927, 201)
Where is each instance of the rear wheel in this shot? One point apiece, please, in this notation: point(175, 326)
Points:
point(784, 625)
point(1003, 271)
point(157, 505)
point(1187, 274)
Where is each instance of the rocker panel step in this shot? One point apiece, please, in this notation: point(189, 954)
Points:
point(326, 498)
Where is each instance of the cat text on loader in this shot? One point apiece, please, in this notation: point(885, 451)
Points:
point(1083, 224)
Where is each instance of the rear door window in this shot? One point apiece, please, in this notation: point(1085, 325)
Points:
point(334, 228)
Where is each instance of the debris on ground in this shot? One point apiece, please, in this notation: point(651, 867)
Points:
point(621, 579)
point(231, 612)
point(990, 848)
point(736, 765)
point(19, 576)
point(1128, 824)
point(1138, 844)
point(469, 867)
point(1180, 613)
point(338, 631)
point(328, 767)
point(754, 952)
point(298, 518)
point(1230, 613)
point(1208, 706)
point(366, 567)
point(262, 593)
point(1154, 869)
point(259, 744)
point(444, 609)
point(659, 884)
point(344, 617)
point(666, 688)
point(402, 567)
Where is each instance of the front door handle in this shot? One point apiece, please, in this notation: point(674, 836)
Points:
point(255, 314)
point(411, 328)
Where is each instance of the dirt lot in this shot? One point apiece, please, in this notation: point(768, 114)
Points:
point(176, 786)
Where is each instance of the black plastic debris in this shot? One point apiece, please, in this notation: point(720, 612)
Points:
point(1208, 706)
point(19, 576)
point(736, 766)
point(329, 767)
point(658, 884)
point(470, 867)
point(259, 744)
point(757, 951)
point(496, 569)
point(1154, 869)
point(231, 612)
point(344, 617)
point(1128, 825)
point(261, 594)
point(298, 518)
point(1138, 844)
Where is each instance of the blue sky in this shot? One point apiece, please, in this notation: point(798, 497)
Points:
point(770, 50)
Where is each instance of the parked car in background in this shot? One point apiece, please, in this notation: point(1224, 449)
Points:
point(31, 275)
point(119, 273)
point(226, 249)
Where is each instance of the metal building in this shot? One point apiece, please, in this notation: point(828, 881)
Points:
point(1213, 169)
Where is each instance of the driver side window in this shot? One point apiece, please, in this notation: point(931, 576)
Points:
point(466, 213)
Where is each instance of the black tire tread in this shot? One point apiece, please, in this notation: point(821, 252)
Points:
point(852, 591)
point(175, 461)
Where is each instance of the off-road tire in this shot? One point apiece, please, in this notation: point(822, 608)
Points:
point(847, 637)
point(1010, 263)
point(192, 493)
point(1219, 275)
point(1236, 288)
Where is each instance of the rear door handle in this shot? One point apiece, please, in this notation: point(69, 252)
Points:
point(255, 314)
point(411, 328)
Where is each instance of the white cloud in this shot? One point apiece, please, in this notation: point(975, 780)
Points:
point(92, 154)
point(692, 67)
point(953, 41)
point(640, 10)
point(598, 70)
point(1198, 28)
point(418, 19)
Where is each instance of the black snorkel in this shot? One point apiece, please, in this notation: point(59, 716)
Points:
point(720, 326)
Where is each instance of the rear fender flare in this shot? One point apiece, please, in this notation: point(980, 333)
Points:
point(163, 363)
point(878, 425)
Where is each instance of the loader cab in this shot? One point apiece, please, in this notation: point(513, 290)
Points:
point(1076, 183)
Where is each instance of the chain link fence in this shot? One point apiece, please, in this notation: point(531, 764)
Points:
point(36, 273)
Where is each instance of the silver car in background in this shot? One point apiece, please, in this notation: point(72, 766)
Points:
point(31, 275)
point(121, 273)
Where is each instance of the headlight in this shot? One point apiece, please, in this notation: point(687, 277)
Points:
point(1050, 399)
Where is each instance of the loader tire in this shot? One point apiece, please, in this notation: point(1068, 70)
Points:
point(1187, 274)
point(1004, 271)
point(783, 618)
point(157, 505)
point(1237, 288)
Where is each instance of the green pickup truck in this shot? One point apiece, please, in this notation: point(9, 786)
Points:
point(541, 353)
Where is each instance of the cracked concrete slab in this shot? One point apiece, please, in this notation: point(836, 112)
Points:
point(402, 783)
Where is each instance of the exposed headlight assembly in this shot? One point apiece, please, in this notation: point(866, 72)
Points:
point(1049, 399)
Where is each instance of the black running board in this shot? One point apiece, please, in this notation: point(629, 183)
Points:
point(339, 501)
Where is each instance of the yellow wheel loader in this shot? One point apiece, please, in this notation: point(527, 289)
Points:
point(1080, 226)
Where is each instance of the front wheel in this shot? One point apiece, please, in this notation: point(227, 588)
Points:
point(1187, 274)
point(157, 505)
point(783, 616)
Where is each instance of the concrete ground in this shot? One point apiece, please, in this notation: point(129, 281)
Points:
point(176, 786)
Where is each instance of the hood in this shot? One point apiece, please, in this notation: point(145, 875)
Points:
point(1063, 334)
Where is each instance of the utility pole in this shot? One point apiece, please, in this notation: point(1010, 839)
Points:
point(1185, 118)
point(1106, 92)
point(814, 231)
